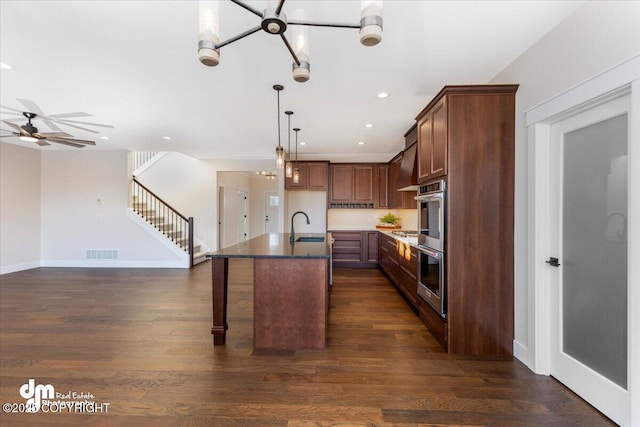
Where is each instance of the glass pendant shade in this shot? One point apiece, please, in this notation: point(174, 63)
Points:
point(300, 44)
point(288, 170)
point(371, 22)
point(279, 157)
point(296, 176)
point(208, 34)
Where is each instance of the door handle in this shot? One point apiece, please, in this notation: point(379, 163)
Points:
point(553, 262)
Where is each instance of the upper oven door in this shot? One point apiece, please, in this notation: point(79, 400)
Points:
point(431, 220)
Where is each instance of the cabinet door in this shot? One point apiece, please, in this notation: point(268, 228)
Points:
point(302, 183)
point(439, 139)
point(395, 197)
point(371, 245)
point(363, 183)
point(316, 176)
point(425, 144)
point(382, 199)
point(341, 178)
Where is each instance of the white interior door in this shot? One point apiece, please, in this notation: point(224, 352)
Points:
point(243, 216)
point(588, 229)
point(271, 212)
point(220, 217)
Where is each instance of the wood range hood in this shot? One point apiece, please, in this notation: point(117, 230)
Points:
point(408, 179)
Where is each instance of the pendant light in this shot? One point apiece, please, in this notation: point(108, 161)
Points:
point(273, 20)
point(288, 170)
point(296, 170)
point(279, 149)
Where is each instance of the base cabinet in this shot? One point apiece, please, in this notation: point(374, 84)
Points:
point(355, 249)
point(399, 261)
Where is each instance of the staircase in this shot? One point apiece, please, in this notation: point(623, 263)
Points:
point(167, 220)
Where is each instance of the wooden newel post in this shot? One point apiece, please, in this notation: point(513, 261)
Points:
point(219, 285)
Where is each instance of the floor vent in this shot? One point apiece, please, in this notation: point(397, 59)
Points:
point(102, 254)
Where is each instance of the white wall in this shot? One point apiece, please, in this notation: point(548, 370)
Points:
point(596, 37)
point(367, 219)
point(188, 185)
point(19, 208)
point(84, 206)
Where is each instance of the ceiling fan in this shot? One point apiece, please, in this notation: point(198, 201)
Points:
point(30, 133)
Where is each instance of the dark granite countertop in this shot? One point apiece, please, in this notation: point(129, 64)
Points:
point(276, 245)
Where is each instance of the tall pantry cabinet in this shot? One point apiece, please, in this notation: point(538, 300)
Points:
point(466, 136)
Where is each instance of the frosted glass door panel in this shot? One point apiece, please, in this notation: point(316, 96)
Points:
point(594, 247)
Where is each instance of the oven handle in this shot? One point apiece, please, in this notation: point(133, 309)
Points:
point(429, 252)
point(432, 197)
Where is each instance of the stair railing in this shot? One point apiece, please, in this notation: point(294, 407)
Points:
point(163, 217)
point(139, 158)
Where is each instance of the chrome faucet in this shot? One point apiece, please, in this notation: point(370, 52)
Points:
point(292, 238)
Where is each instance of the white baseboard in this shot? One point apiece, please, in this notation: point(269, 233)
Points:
point(114, 264)
point(521, 353)
point(19, 267)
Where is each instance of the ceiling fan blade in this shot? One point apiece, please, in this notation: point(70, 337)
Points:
point(53, 135)
point(13, 135)
point(65, 142)
point(12, 109)
point(31, 106)
point(76, 141)
point(83, 123)
point(50, 124)
point(15, 119)
point(78, 127)
point(16, 127)
point(42, 142)
point(65, 115)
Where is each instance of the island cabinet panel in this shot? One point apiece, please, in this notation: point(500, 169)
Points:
point(355, 249)
point(290, 303)
point(466, 136)
point(313, 176)
point(358, 185)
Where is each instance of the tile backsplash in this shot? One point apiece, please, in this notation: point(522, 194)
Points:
point(367, 219)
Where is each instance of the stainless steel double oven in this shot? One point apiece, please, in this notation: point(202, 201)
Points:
point(432, 198)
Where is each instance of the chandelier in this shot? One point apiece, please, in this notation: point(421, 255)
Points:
point(274, 21)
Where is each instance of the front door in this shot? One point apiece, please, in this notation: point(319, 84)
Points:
point(271, 217)
point(588, 255)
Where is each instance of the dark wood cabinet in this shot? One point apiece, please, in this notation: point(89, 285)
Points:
point(398, 199)
point(313, 176)
point(382, 193)
point(466, 135)
point(357, 185)
point(432, 142)
point(355, 249)
point(399, 261)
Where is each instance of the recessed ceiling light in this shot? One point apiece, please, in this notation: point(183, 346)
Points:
point(106, 138)
point(5, 66)
point(368, 125)
point(382, 95)
point(303, 143)
point(361, 143)
point(166, 137)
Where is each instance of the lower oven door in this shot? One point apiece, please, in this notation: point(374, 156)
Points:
point(431, 280)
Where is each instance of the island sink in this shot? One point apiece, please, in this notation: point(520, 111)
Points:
point(310, 239)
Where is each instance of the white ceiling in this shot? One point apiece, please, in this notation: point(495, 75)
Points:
point(133, 65)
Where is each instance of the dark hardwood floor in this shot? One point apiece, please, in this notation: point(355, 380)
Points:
point(140, 340)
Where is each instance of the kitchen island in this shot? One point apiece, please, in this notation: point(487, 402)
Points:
point(290, 293)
